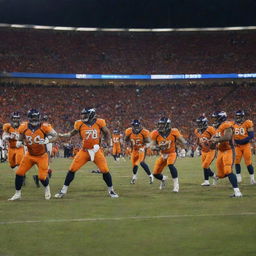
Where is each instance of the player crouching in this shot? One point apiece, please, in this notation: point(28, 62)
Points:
point(34, 135)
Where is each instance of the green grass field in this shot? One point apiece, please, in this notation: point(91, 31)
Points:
point(143, 221)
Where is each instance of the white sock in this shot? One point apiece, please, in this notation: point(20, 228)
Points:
point(134, 176)
point(236, 190)
point(150, 175)
point(252, 176)
point(110, 189)
point(64, 189)
point(175, 181)
point(164, 177)
point(18, 192)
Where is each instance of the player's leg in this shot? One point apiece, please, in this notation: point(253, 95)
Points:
point(114, 152)
point(173, 170)
point(81, 158)
point(239, 154)
point(145, 166)
point(11, 158)
point(207, 160)
point(25, 165)
point(158, 169)
point(42, 163)
point(228, 157)
point(248, 161)
point(101, 163)
point(19, 153)
point(135, 163)
point(206, 175)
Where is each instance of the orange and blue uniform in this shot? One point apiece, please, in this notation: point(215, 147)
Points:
point(244, 149)
point(116, 139)
point(226, 153)
point(91, 135)
point(137, 144)
point(202, 138)
point(168, 155)
point(14, 154)
point(37, 153)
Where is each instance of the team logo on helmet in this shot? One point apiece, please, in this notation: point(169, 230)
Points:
point(136, 126)
point(219, 117)
point(240, 115)
point(34, 117)
point(202, 122)
point(88, 115)
point(15, 119)
point(164, 124)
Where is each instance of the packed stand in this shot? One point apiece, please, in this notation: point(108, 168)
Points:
point(28, 50)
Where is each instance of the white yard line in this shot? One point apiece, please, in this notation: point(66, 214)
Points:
point(128, 218)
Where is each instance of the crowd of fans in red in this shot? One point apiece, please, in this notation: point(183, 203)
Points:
point(28, 50)
point(119, 105)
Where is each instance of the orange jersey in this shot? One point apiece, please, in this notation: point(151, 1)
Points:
point(32, 137)
point(13, 132)
point(241, 130)
point(90, 135)
point(224, 145)
point(204, 137)
point(169, 141)
point(137, 140)
point(116, 138)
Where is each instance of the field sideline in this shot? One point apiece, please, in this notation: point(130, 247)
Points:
point(143, 221)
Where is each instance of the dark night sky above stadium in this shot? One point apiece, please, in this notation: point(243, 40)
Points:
point(130, 13)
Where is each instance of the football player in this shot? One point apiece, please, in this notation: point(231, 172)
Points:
point(10, 135)
point(91, 130)
point(164, 139)
point(116, 141)
point(35, 135)
point(49, 151)
point(223, 139)
point(243, 134)
point(203, 133)
point(139, 139)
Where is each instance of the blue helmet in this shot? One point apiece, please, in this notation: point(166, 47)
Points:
point(219, 117)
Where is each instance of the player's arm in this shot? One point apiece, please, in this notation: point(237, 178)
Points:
point(68, 134)
point(107, 136)
point(182, 141)
point(20, 140)
point(6, 136)
point(228, 133)
point(248, 138)
point(52, 136)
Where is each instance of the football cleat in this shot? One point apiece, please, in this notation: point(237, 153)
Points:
point(163, 182)
point(59, 195)
point(113, 194)
point(151, 179)
point(205, 183)
point(239, 177)
point(252, 181)
point(47, 193)
point(16, 196)
point(237, 194)
point(133, 180)
point(215, 180)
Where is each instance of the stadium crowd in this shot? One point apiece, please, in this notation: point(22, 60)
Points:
point(119, 105)
point(28, 50)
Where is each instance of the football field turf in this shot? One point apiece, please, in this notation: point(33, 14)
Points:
point(143, 221)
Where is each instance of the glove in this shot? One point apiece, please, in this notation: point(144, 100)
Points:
point(18, 144)
point(43, 141)
point(6, 137)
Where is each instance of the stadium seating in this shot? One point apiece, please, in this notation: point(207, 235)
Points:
point(28, 50)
